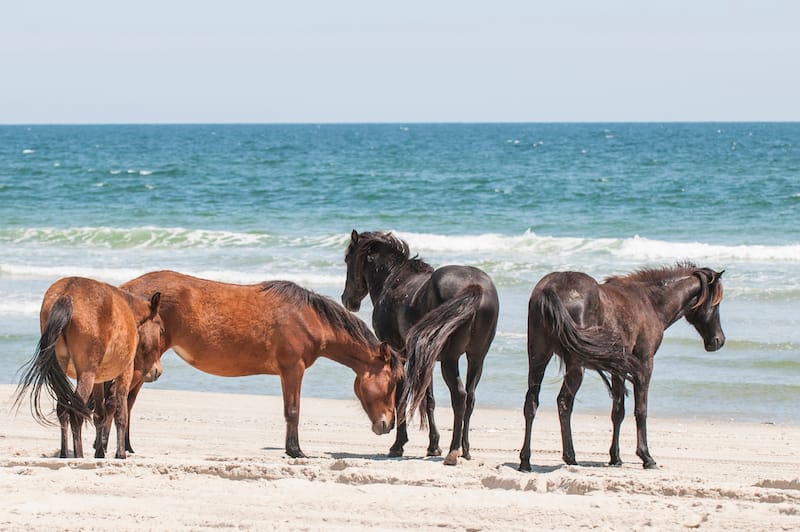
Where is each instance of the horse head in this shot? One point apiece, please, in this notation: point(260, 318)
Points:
point(375, 388)
point(703, 313)
point(151, 336)
point(355, 286)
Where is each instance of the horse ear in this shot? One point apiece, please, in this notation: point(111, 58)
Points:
point(155, 300)
point(354, 237)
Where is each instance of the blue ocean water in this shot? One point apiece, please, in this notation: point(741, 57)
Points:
point(247, 203)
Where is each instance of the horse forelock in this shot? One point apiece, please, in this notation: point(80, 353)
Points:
point(710, 288)
point(331, 312)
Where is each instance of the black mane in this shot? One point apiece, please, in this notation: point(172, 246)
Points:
point(330, 311)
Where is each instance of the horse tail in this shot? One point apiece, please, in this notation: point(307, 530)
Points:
point(44, 372)
point(594, 347)
point(426, 340)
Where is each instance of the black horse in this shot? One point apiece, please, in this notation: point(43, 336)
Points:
point(432, 315)
point(614, 327)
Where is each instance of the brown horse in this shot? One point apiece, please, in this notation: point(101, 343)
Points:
point(273, 328)
point(92, 332)
point(613, 327)
point(432, 315)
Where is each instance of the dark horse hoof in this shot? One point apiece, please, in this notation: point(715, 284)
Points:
point(615, 463)
point(295, 453)
point(395, 453)
point(435, 451)
point(525, 466)
point(651, 464)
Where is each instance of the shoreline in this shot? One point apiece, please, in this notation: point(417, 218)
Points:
point(210, 460)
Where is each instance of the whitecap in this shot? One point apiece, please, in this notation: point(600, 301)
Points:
point(115, 172)
point(149, 186)
point(28, 151)
point(145, 172)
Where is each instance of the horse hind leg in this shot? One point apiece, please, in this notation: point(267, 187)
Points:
point(433, 432)
point(617, 415)
point(63, 421)
point(573, 378)
point(83, 390)
point(99, 415)
point(538, 358)
point(474, 372)
point(121, 413)
point(458, 397)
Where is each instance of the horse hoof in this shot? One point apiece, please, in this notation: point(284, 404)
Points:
point(436, 451)
point(615, 463)
point(650, 465)
point(120, 456)
point(395, 453)
point(99, 453)
point(451, 458)
point(525, 466)
point(466, 455)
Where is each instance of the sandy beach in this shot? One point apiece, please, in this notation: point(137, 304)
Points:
point(213, 461)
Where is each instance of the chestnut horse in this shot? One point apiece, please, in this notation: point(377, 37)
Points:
point(273, 328)
point(614, 327)
point(92, 332)
point(432, 315)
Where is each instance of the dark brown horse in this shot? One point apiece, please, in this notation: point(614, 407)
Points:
point(273, 328)
point(92, 332)
point(614, 327)
point(432, 315)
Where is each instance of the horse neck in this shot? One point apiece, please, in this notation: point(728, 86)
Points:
point(671, 299)
point(379, 275)
point(351, 352)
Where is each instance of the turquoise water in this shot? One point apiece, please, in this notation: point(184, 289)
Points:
point(246, 203)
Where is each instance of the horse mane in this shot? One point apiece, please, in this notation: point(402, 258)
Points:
point(709, 289)
point(326, 308)
point(655, 275)
point(397, 247)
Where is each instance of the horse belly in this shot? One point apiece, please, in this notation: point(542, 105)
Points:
point(232, 365)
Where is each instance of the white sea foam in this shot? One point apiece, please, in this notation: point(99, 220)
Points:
point(28, 151)
point(135, 237)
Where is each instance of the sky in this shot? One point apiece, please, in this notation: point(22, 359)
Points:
point(344, 61)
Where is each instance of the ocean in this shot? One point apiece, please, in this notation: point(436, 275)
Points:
point(247, 203)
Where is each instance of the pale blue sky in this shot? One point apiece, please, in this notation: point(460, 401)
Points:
point(413, 61)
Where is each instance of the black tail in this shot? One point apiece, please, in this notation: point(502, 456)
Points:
point(426, 340)
point(43, 370)
point(595, 348)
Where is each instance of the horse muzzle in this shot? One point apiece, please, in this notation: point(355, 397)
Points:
point(382, 426)
point(152, 375)
point(715, 344)
point(352, 306)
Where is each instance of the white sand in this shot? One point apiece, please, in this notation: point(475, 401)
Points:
point(212, 461)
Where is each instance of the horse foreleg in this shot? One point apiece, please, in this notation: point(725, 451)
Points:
point(291, 380)
point(401, 438)
point(458, 398)
point(640, 389)
point(474, 371)
point(121, 385)
point(566, 399)
point(538, 358)
point(617, 415)
point(136, 385)
point(433, 432)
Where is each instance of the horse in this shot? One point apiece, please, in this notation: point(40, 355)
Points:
point(430, 315)
point(614, 327)
point(92, 332)
point(273, 328)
